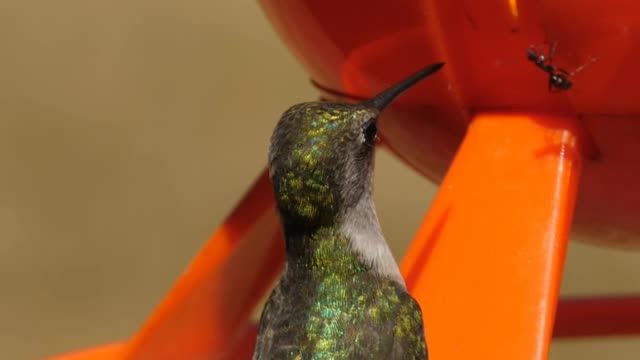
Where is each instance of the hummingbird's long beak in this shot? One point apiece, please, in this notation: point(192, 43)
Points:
point(385, 98)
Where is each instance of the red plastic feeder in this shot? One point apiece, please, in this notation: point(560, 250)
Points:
point(520, 168)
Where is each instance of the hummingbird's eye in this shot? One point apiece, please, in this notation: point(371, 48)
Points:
point(370, 132)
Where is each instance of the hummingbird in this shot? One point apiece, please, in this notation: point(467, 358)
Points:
point(340, 295)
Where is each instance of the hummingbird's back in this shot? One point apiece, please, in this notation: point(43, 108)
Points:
point(335, 307)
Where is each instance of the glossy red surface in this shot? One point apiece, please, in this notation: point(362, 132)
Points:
point(360, 47)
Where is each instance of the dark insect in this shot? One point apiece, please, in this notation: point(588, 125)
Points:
point(559, 79)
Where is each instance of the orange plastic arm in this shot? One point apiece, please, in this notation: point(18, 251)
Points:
point(206, 314)
point(486, 263)
point(105, 352)
point(208, 309)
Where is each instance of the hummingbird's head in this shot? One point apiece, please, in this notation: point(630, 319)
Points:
point(321, 155)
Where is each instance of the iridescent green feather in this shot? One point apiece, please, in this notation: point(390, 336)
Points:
point(339, 309)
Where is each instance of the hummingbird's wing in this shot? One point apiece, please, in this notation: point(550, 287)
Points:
point(282, 323)
point(398, 336)
point(408, 332)
point(269, 325)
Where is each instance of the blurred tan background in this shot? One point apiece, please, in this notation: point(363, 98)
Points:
point(128, 129)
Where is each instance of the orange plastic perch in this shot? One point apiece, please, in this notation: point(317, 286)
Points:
point(486, 263)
